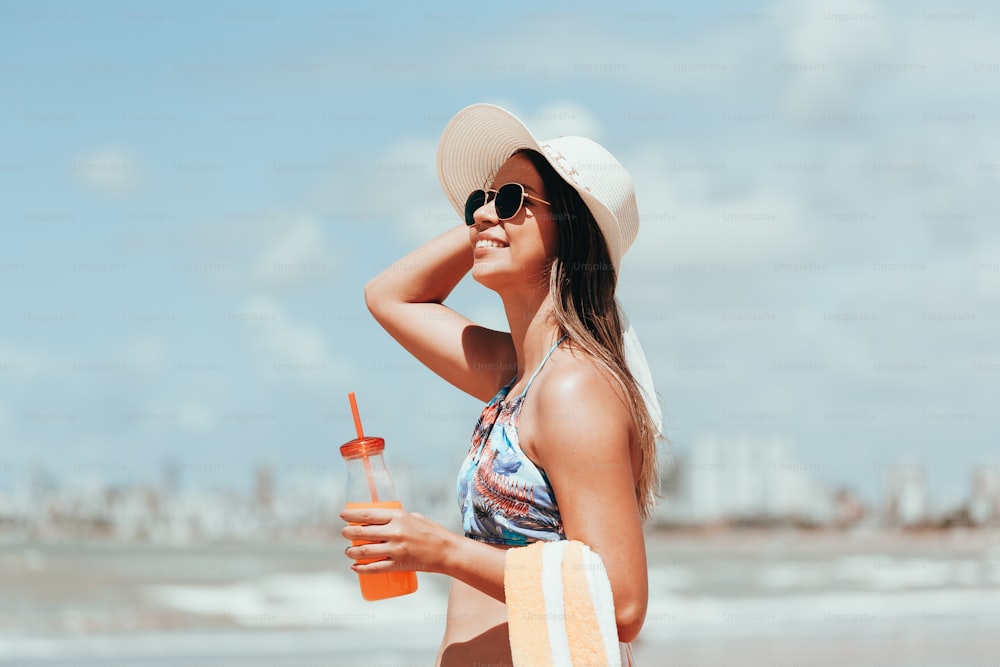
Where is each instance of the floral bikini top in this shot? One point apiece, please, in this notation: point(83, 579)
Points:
point(504, 497)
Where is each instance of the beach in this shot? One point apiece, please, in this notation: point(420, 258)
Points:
point(716, 598)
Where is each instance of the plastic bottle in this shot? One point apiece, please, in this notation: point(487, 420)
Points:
point(370, 485)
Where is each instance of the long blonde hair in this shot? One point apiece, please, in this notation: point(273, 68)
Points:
point(582, 283)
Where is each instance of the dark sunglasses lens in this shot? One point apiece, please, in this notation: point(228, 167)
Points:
point(475, 201)
point(509, 199)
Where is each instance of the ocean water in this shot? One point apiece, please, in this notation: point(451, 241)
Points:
point(757, 600)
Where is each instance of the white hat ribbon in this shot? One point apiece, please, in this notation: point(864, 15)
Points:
point(639, 367)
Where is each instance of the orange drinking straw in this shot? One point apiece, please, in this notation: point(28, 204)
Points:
point(361, 436)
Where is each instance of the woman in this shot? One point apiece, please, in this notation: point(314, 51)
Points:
point(574, 457)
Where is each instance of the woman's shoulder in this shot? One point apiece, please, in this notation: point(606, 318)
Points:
point(579, 382)
point(579, 409)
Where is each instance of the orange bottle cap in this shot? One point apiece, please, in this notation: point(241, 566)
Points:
point(358, 447)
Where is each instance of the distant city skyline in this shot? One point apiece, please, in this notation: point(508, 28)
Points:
point(721, 482)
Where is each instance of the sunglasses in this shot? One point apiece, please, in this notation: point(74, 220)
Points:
point(509, 200)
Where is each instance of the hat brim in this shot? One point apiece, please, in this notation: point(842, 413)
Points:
point(473, 147)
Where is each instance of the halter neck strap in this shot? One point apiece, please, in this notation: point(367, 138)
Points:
point(544, 359)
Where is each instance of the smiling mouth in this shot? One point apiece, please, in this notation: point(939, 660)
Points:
point(490, 243)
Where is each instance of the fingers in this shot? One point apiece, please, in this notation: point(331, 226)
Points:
point(369, 515)
point(380, 566)
point(369, 533)
point(367, 552)
point(378, 558)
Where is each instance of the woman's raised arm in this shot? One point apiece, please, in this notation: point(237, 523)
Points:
point(407, 299)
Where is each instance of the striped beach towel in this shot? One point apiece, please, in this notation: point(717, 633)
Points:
point(559, 607)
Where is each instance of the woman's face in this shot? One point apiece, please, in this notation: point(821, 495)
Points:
point(517, 251)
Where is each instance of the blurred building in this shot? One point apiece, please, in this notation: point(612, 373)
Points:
point(906, 490)
point(984, 502)
point(848, 508)
point(171, 477)
point(264, 487)
point(739, 479)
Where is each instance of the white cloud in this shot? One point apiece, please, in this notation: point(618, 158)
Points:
point(18, 360)
point(144, 355)
point(557, 119)
point(110, 171)
point(830, 56)
point(671, 63)
point(290, 349)
point(986, 265)
point(283, 252)
point(684, 222)
point(189, 415)
point(196, 417)
point(402, 185)
point(297, 255)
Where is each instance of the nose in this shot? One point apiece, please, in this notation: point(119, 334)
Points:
point(487, 213)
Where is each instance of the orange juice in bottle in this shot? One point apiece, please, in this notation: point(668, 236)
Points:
point(369, 485)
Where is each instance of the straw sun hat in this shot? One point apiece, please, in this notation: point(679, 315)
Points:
point(481, 137)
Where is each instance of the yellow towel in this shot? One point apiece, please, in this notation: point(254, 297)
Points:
point(559, 607)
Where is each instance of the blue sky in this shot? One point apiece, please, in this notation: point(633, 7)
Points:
point(194, 197)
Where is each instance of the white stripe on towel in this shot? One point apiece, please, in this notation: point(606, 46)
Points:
point(604, 604)
point(552, 589)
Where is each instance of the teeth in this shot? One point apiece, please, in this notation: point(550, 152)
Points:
point(489, 243)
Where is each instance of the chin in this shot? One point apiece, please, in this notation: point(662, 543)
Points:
point(488, 275)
